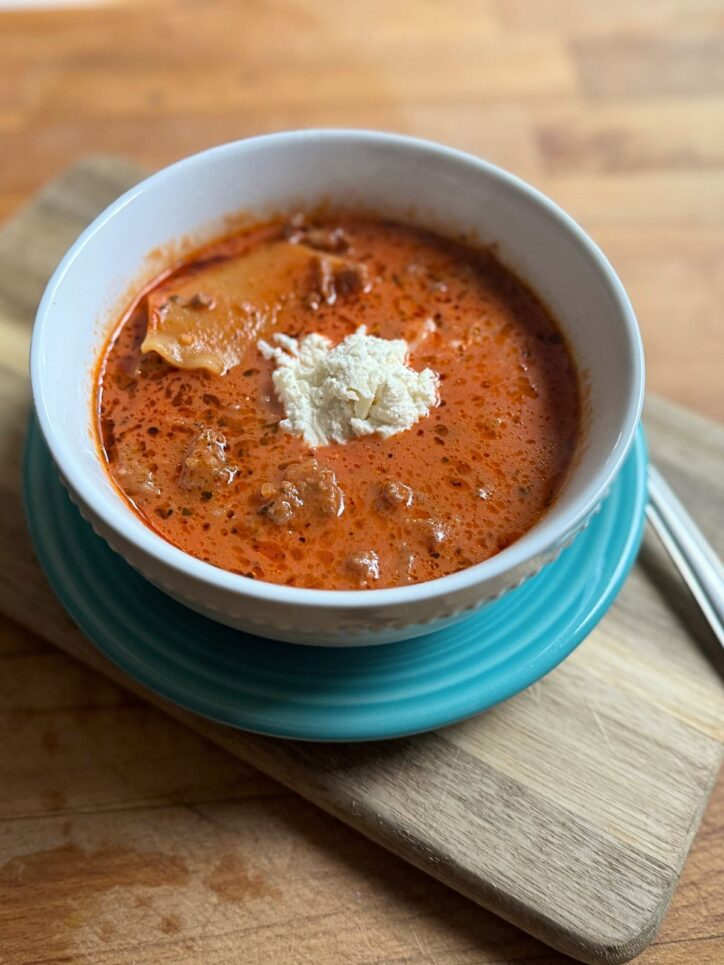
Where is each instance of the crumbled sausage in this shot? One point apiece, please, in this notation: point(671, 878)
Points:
point(327, 239)
point(205, 465)
point(350, 279)
point(432, 533)
point(329, 280)
point(281, 503)
point(322, 284)
point(279, 511)
point(393, 495)
point(334, 240)
point(305, 485)
point(135, 478)
point(201, 301)
point(365, 566)
point(318, 487)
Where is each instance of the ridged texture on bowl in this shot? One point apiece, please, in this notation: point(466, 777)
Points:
point(328, 694)
point(325, 628)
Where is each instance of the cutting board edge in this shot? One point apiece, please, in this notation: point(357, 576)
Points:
point(422, 855)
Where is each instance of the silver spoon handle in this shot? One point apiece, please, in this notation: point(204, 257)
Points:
point(686, 544)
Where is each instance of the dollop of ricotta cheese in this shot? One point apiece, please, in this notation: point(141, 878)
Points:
point(362, 386)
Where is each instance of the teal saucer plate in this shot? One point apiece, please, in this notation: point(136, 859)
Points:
point(322, 693)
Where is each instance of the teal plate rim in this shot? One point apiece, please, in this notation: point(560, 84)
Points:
point(322, 693)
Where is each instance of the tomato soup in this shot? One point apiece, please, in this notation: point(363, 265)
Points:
point(195, 435)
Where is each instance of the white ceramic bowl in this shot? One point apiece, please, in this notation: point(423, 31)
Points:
point(397, 177)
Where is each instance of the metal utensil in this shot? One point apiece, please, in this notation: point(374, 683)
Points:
point(688, 548)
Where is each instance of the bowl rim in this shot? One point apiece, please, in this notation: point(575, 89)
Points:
point(534, 543)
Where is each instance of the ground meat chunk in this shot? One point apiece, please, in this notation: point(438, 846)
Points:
point(321, 284)
point(205, 465)
point(307, 489)
point(393, 495)
point(350, 279)
point(365, 566)
point(133, 466)
point(331, 279)
point(431, 533)
point(134, 477)
point(326, 238)
point(281, 502)
point(318, 487)
point(202, 301)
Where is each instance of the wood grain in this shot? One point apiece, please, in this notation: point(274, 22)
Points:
point(616, 109)
point(615, 752)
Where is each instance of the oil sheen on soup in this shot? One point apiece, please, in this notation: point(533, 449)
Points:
point(195, 429)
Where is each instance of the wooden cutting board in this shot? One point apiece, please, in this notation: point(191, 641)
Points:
point(568, 810)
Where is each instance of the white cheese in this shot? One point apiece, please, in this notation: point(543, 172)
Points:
point(361, 386)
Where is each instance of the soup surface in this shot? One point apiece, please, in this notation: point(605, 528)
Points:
point(190, 423)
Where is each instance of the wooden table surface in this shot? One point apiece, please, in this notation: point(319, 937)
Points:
point(616, 110)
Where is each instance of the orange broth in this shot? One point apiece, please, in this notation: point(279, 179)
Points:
point(203, 461)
